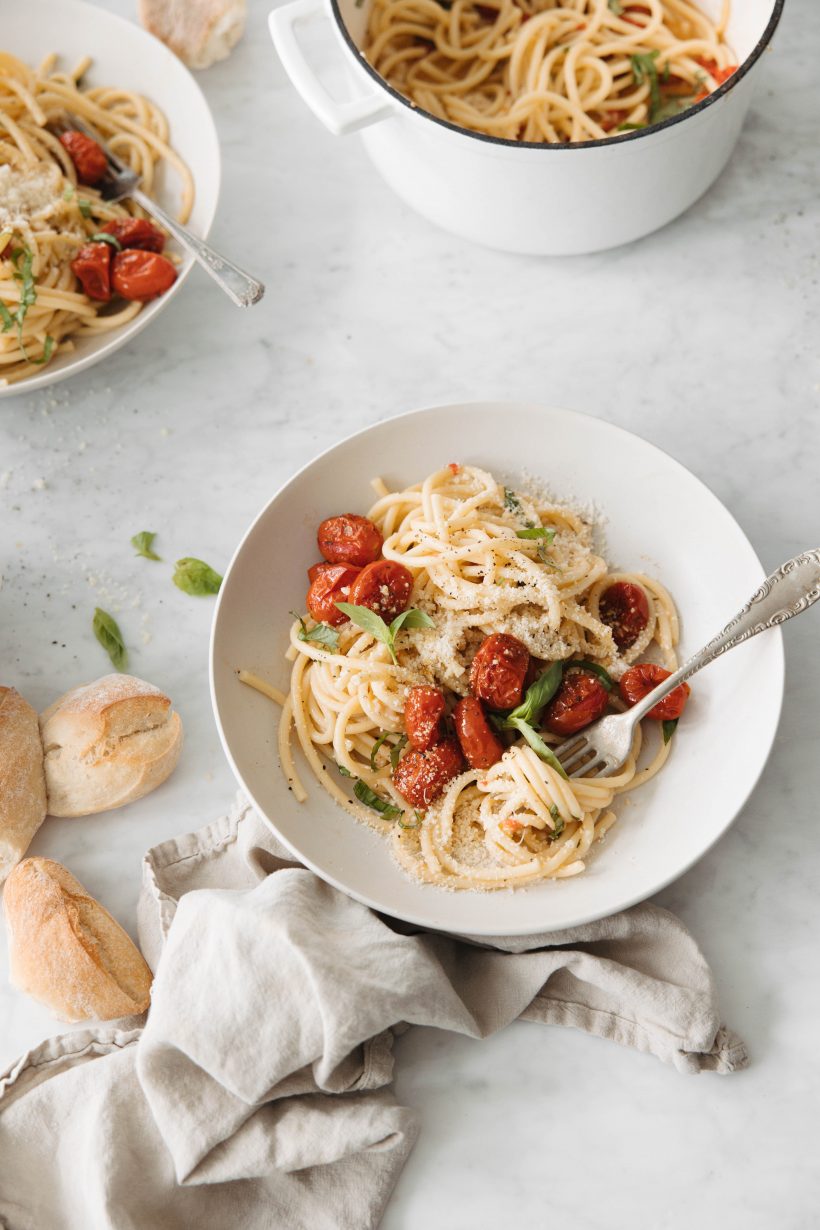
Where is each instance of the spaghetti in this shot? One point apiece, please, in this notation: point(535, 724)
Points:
point(486, 562)
point(549, 70)
point(46, 215)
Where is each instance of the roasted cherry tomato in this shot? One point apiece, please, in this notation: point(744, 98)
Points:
point(625, 608)
point(421, 776)
point(350, 537)
point(88, 157)
point(423, 711)
point(498, 671)
point(581, 698)
point(92, 265)
point(141, 275)
point(136, 233)
point(480, 746)
point(328, 587)
point(639, 680)
point(383, 587)
point(720, 74)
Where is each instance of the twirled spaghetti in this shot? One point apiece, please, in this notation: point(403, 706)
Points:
point(485, 560)
point(549, 70)
point(46, 216)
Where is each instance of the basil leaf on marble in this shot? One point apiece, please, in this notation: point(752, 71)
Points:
point(107, 632)
point(143, 544)
point(195, 577)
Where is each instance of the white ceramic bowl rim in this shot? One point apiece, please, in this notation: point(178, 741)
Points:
point(596, 143)
point(491, 926)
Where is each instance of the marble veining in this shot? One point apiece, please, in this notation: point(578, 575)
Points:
point(703, 338)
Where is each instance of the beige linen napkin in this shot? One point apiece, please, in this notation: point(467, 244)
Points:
point(256, 1092)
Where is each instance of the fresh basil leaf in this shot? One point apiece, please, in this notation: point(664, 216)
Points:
point(595, 668)
point(142, 544)
point(367, 620)
point(104, 237)
point(48, 349)
point(370, 799)
point(538, 694)
point(396, 752)
point(558, 821)
point(108, 634)
point(411, 618)
point(6, 317)
point(537, 531)
point(538, 745)
point(669, 728)
point(374, 749)
point(644, 69)
point(195, 577)
point(344, 772)
point(84, 206)
point(322, 634)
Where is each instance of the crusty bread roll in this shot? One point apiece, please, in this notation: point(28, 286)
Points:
point(22, 783)
point(107, 743)
point(66, 950)
point(200, 32)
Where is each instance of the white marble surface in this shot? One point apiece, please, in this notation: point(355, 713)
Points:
point(703, 338)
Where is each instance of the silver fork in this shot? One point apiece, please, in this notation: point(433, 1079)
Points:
point(604, 747)
point(122, 182)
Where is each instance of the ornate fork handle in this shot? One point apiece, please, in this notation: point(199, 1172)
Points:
point(791, 589)
point(240, 286)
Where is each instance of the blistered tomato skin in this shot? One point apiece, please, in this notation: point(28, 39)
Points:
point(580, 700)
point(499, 670)
point(639, 681)
point(479, 744)
point(136, 233)
point(88, 157)
point(349, 537)
point(141, 276)
point(329, 584)
point(423, 710)
point(92, 267)
point(624, 607)
point(384, 587)
point(420, 777)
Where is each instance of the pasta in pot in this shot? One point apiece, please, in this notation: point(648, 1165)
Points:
point(549, 70)
point(494, 572)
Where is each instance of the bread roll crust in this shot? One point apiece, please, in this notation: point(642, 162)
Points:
point(22, 780)
point(66, 950)
point(108, 743)
point(200, 32)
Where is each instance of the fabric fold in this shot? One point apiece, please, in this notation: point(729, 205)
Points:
point(258, 1088)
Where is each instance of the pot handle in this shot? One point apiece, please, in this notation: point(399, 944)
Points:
point(339, 117)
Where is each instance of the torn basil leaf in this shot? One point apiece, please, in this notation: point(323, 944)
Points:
point(195, 577)
point(370, 799)
point(143, 544)
point(107, 632)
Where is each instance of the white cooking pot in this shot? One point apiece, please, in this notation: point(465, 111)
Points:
point(540, 199)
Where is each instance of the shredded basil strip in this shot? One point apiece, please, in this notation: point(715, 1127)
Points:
point(322, 634)
point(669, 728)
point(370, 799)
point(416, 824)
point(84, 206)
point(381, 739)
point(104, 237)
point(644, 69)
point(107, 632)
point(538, 694)
point(195, 577)
point(594, 668)
point(537, 531)
point(344, 772)
point(142, 544)
point(538, 745)
point(396, 752)
point(557, 819)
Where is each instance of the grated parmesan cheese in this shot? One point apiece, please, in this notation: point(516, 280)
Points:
point(24, 197)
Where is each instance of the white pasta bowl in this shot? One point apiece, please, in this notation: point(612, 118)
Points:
point(123, 55)
point(659, 519)
point(532, 198)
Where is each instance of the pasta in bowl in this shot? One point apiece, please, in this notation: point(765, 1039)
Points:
point(79, 274)
point(617, 528)
point(452, 635)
